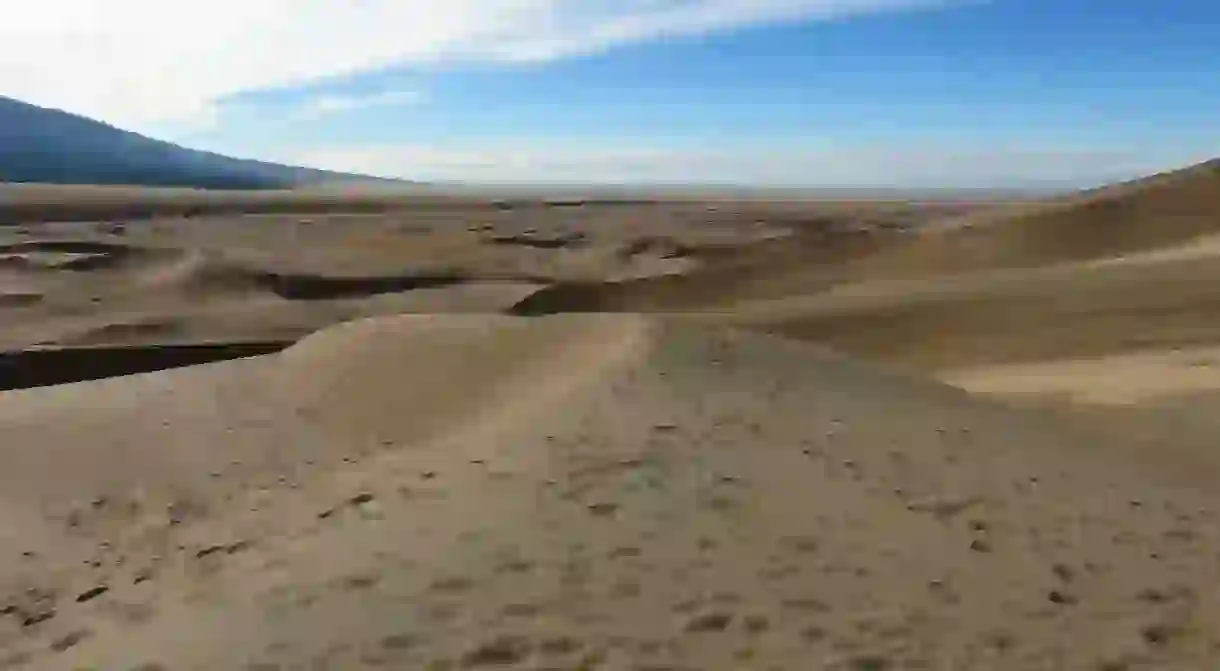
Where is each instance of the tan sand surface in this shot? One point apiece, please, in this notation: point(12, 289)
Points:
point(304, 432)
point(1126, 379)
point(597, 490)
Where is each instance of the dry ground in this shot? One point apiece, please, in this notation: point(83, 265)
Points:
point(845, 435)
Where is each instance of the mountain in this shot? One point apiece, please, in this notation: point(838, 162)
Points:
point(39, 144)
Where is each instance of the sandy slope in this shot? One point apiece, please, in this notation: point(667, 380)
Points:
point(1126, 379)
point(171, 279)
point(1125, 270)
point(583, 492)
point(707, 488)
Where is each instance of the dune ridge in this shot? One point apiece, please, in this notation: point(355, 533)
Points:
point(644, 476)
point(653, 435)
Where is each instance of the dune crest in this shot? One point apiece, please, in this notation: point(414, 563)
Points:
point(778, 435)
point(452, 489)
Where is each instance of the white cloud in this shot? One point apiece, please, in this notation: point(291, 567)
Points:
point(894, 166)
point(138, 62)
point(325, 105)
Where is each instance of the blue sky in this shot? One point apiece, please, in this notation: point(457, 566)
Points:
point(901, 93)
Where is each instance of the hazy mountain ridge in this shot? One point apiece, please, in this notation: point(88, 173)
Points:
point(39, 144)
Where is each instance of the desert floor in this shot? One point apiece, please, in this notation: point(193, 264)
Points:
point(651, 435)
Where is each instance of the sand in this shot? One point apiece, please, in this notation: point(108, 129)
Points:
point(652, 435)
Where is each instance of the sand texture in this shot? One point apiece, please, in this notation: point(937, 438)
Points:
point(677, 436)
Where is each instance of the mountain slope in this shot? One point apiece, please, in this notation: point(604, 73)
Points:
point(45, 145)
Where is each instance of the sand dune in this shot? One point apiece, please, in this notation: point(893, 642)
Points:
point(1121, 270)
point(665, 494)
point(1162, 211)
point(816, 435)
point(1128, 379)
point(174, 280)
point(1004, 317)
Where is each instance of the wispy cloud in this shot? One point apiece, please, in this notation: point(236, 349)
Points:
point(134, 62)
point(913, 165)
point(326, 105)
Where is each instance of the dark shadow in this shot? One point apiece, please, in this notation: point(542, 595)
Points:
point(317, 287)
point(45, 367)
point(539, 241)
